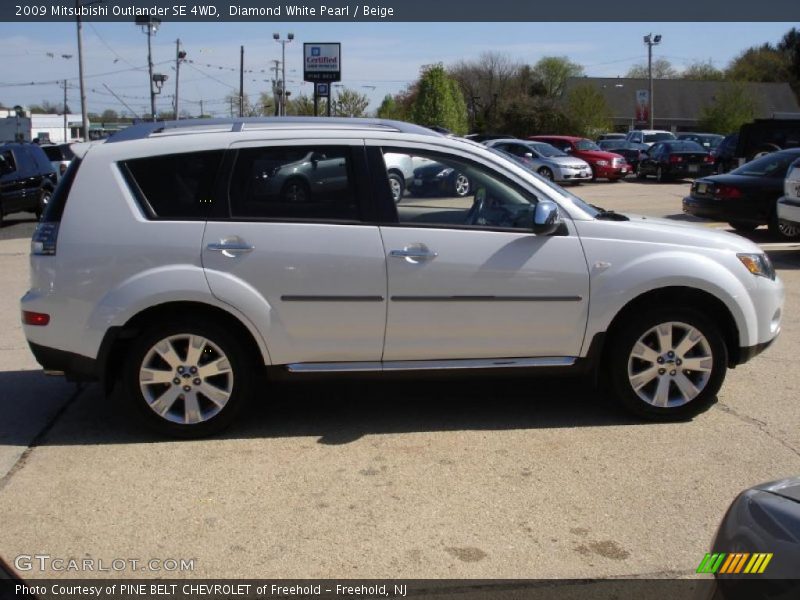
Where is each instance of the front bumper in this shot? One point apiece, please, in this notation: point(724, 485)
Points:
point(611, 172)
point(569, 174)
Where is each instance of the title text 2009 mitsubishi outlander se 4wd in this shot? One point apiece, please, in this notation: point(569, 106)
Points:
point(188, 261)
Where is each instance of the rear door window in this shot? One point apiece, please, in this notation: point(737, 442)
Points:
point(176, 186)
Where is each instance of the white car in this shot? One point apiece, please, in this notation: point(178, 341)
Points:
point(789, 204)
point(166, 264)
point(649, 136)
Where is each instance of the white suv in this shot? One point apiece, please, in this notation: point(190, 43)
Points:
point(180, 261)
point(789, 205)
point(649, 136)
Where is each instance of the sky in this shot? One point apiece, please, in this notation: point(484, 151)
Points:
point(377, 58)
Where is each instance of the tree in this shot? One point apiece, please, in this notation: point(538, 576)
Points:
point(703, 70)
point(301, 105)
point(250, 110)
point(552, 72)
point(487, 84)
point(588, 111)
point(109, 116)
point(732, 107)
point(662, 69)
point(390, 109)
point(349, 103)
point(439, 101)
point(760, 63)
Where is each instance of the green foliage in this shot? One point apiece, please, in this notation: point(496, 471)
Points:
point(349, 103)
point(703, 71)
point(662, 69)
point(390, 108)
point(439, 101)
point(552, 72)
point(301, 105)
point(587, 110)
point(761, 63)
point(733, 107)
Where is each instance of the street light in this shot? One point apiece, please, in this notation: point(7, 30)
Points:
point(282, 87)
point(651, 40)
point(150, 26)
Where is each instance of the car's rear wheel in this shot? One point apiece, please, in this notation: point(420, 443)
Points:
point(188, 379)
point(296, 191)
point(781, 229)
point(640, 174)
point(742, 226)
point(397, 185)
point(661, 176)
point(667, 363)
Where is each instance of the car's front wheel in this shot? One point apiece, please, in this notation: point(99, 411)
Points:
point(667, 363)
point(461, 185)
point(188, 379)
point(397, 185)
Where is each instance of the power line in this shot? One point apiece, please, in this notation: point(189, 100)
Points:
point(59, 81)
point(107, 45)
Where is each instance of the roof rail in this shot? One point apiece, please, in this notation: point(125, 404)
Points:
point(145, 130)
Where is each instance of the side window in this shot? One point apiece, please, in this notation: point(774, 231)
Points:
point(8, 164)
point(294, 182)
point(176, 186)
point(451, 191)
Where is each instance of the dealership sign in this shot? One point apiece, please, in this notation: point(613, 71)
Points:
point(322, 62)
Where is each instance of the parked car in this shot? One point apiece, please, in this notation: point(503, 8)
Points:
point(484, 137)
point(763, 136)
point(610, 136)
point(198, 283)
point(630, 151)
point(27, 179)
point(548, 161)
point(725, 154)
point(605, 165)
point(709, 141)
point(60, 156)
point(756, 549)
point(649, 136)
point(437, 179)
point(746, 197)
point(675, 160)
point(400, 169)
point(789, 205)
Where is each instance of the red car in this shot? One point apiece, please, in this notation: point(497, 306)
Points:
point(605, 165)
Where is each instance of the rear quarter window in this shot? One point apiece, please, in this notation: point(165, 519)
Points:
point(176, 186)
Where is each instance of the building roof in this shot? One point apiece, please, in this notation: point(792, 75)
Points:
point(680, 101)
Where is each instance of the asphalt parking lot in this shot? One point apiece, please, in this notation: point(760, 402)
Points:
point(486, 478)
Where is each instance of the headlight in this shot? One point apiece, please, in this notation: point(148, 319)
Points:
point(602, 163)
point(758, 264)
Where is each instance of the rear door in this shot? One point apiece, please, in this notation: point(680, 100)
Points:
point(12, 186)
point(295, 251)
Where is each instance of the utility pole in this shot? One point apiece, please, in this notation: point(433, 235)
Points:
point(288, 40)
point(84, 110)
point(241, 81)
point(651, 40)
point(149, 26)
point(275, 88)
point(180, 55)
point(66, 136)
point(201, 107)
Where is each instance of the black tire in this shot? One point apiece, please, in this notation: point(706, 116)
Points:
point(661, 177)
point(639, 173)
point(546, 173)
point(396, 184)
point(296, 191)
point(243, 373)
point(743, 227)
point(620, 354)
point(782, 231)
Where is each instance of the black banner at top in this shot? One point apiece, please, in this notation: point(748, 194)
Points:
point(401, 10)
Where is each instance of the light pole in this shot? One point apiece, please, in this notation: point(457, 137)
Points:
point(651, 40)
point(282, 87)
point(150, 26)
point(180, 56)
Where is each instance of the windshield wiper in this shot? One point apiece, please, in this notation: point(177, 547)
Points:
point(610, 215)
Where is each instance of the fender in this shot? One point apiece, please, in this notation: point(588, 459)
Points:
point(146, 289)
point(613, 288)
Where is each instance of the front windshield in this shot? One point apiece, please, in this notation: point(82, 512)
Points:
point(771, 165)
point(586, 145)
point(658, 137)
point(546, 150)
point(592, 211)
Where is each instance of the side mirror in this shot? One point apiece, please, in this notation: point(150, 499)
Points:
point(528, 155)
point(546, 219)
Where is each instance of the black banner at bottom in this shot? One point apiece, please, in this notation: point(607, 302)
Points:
point(444, 589)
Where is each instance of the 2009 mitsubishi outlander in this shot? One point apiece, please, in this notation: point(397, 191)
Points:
point(187, 261)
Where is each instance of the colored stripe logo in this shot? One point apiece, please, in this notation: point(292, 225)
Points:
point(734, 563)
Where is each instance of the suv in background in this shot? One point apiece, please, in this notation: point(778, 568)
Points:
point(725, 154)
point(648, 136)
point(763, 136)
point(789, 205)
point(27, 179)
point(204, 283)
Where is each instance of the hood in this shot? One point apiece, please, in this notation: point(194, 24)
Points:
point(786, 488)
point(668, 232)
point(598, 155)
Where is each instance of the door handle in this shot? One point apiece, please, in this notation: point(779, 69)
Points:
point(231, 249)
point(414, 253)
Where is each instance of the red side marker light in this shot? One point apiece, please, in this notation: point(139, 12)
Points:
point(35, 318)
